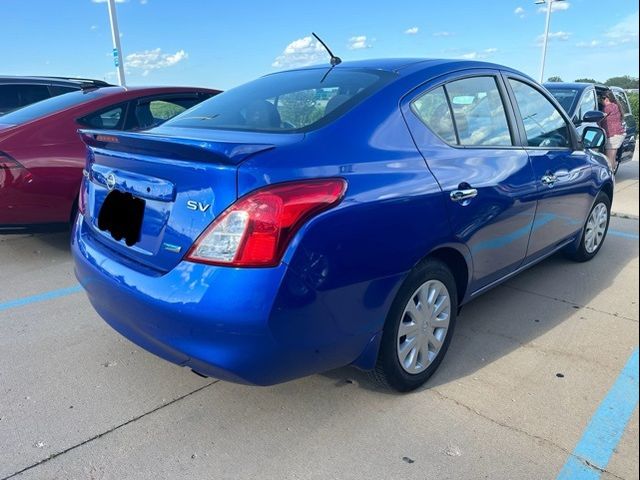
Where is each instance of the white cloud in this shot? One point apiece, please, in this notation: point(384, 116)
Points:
point(562, 36)
point(148, 60)
point(358, 42)
point(591, 44)
point(519, 12)
point(442, 34)
point(479, 55)
point(105, 1)
point(625, 31)
point(300, 53)
point(556, 6)
point(93, 28)
point(412, 30)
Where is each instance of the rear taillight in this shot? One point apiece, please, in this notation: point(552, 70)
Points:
point(256, 229)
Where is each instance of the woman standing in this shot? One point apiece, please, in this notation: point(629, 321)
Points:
point(613, 127)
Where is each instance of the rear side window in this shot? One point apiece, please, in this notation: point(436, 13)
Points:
point(433, 109)
point(588, 103)
point(543, 123)
point(467, 112)
point(59, 90)
point(293, 101)
point(16, 96)
point(479, 113)
point(111, 118)
point(622, 100)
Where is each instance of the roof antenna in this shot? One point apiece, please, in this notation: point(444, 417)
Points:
point(334, 60)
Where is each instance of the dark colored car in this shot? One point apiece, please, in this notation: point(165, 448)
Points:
point(18, 92)
point(321, 217)
point(42, 156)
point(578, 99)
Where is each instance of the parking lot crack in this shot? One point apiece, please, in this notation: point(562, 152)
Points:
point(536, 438)
point(111, 430)
point(573, 304)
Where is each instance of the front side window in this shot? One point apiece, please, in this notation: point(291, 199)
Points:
point(479, 113)
point(293, 101)
point(543, 123)
point(587, 104)
point(433, 109)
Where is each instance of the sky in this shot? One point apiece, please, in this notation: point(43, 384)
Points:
point(222, 43)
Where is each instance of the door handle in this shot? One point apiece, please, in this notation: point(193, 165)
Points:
point(549, 179)
point(463, 195)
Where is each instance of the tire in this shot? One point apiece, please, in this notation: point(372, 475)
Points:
point(418, 362)
point(587, 249)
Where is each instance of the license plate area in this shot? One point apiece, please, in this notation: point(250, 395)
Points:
point(121, 215)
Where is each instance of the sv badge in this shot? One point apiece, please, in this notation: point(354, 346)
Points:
point(198, 206)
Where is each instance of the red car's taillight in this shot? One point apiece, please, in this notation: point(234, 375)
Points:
point(256, 229)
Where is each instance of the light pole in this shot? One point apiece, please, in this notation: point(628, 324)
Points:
point(117, 49)
point(545, 40)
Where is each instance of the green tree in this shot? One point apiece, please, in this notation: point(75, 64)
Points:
point(625, 81)
point(586, 80)
point(554, 79)
point(633, 100)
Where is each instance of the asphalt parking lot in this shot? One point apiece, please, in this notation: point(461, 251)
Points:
point(538, 369)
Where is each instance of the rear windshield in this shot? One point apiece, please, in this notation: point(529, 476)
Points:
point(285, 102)
point(566, 97)
point(48, 106)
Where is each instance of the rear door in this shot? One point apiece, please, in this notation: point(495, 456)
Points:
point(561, 170)
point(485, 176)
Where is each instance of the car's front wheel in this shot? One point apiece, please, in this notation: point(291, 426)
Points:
point(594, 231)
point(419, 328)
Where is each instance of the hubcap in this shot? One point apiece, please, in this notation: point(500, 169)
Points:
point(596, 227)
point(424, 326)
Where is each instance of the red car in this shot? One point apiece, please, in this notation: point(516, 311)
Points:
point(42, 156)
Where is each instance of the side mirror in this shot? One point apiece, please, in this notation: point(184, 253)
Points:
point(593, 137)
point(592, 116)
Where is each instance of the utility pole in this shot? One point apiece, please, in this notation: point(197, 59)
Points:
point(545, 40)
point(117, 49)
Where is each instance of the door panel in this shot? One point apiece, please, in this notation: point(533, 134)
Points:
point(496, 221)
point(562, 173)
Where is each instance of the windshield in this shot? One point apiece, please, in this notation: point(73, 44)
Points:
point(285, 102)
point(566, 97)
point(48, 106)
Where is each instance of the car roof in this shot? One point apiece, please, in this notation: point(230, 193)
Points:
point(407, 66)
point(573, 85)
point(67, 81)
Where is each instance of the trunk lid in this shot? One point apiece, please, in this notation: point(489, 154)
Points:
point(148, 196)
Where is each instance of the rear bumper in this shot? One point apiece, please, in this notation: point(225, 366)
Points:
point(242, 325)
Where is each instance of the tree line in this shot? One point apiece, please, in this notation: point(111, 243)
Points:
point(625, 81)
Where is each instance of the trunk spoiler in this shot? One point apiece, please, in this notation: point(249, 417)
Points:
point(187, 149)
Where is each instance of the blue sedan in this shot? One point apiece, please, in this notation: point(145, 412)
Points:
point(333, 215)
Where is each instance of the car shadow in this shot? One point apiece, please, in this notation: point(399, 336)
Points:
point(515, 314)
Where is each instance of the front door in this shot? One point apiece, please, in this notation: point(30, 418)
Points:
point(561, 170)
point(468, 139)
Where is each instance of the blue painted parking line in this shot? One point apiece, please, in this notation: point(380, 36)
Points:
point(618, 233)
point(40, 297)
point(593, 452)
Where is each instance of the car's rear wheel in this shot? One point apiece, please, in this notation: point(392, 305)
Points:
point(594, 231)
point(419, 328)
